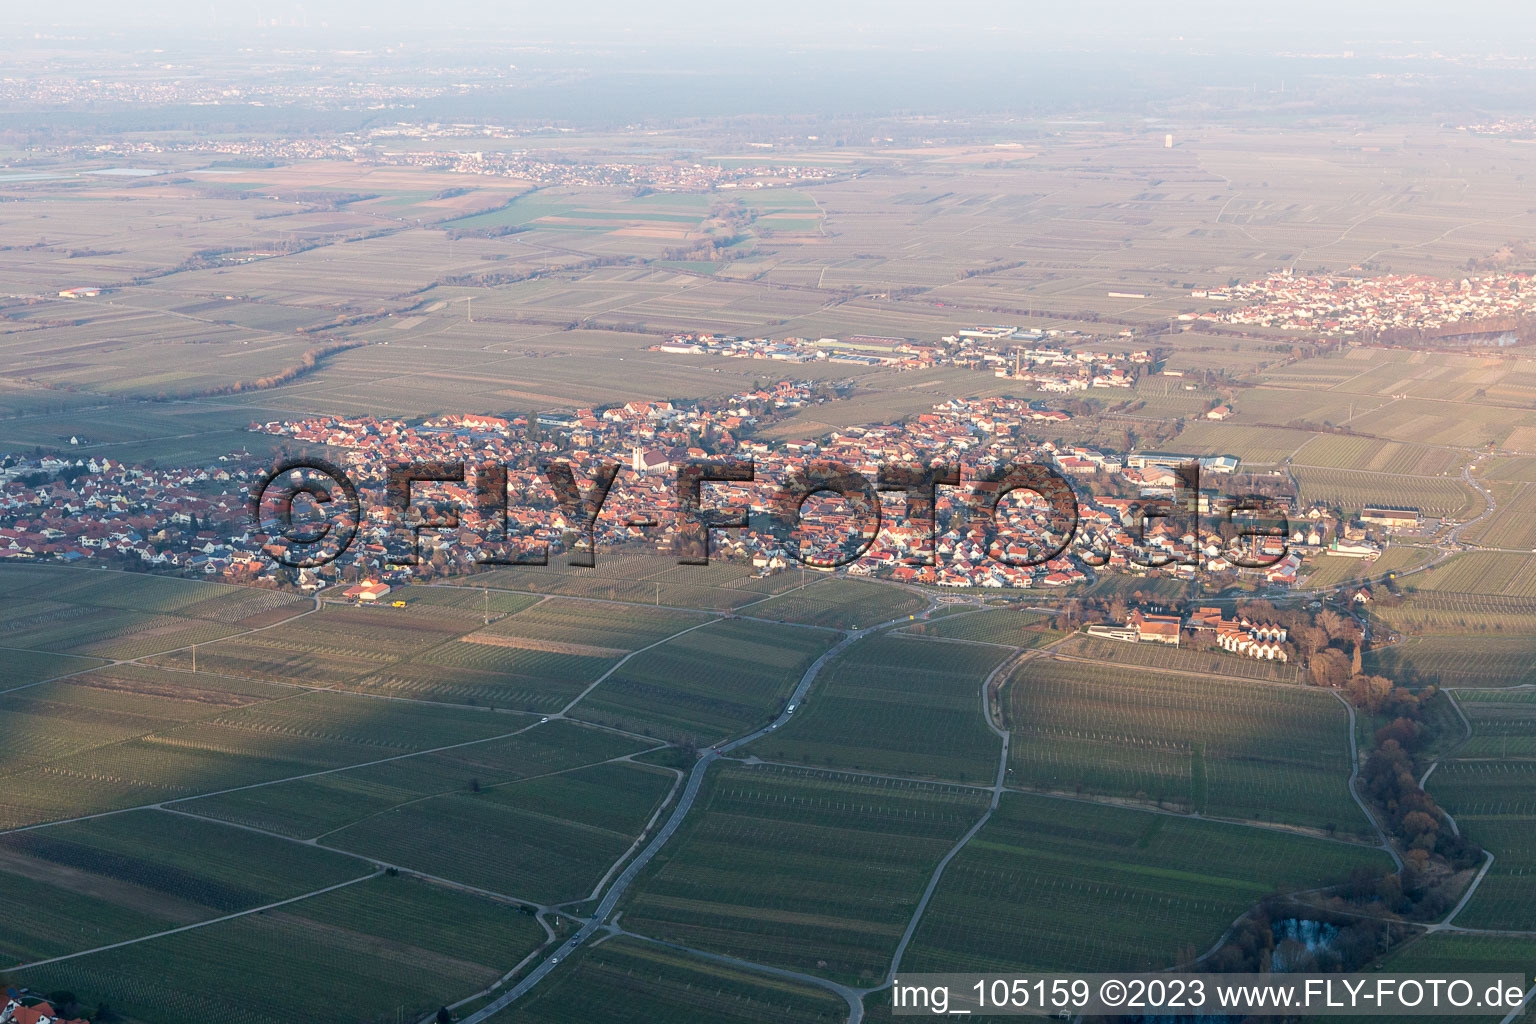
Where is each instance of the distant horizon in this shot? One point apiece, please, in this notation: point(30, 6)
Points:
point(985, 26)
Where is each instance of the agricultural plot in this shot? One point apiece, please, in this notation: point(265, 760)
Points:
point(91, 883)
point(624, 981)
point(1450, 954)
point(1483, 572)
point(492, 603)
point(841, 604)
point(557, 621)
point(1503, 723)
point(57, 720)
point(123, 615)
point(307, 808)
point(800, 869)
point(305, 733)
point(382, 949)
point(1048, 884)
point(549, 840)
point(708, 684)
point(1350, 489)
point(1513, 522)
point(1224, 748)
point(1467, 424)
point(1294, 407)
point(1494, 802)
point(1007, 627)
point(157, 595)
point(1153, 588)
point(1249, 443)
point(1463, 661)
point(23, 668)
point(899, 706)
point(338, 644)
point(1214, 662)
point(1427, 611)
point(642, 579)
point(129, 352)
point(1373, 455)
point(1517, 469)
point(1331, 570)
point(108, 633)
point(488, 669)
point(1318, 372)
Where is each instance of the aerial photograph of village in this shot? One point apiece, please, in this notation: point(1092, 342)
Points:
point(698, 516)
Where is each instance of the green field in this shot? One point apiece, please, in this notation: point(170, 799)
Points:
point(407, 948)
point(1437, 612)
point(624, 981)
point(709, 684)
point(307, 808)
point(896, 705)
point(1006, 626)
point(92, 883)
point(1350, 489)
point(1494, 804)
point(1224, 748)
point(129, 762)
point(801, 869)
point(1053, 884)
point(1490, 788)
point(1494, 660)
point(1482, 572)
point(640, 578)
point(1332, 570)
point(841, 604)
point(1513, 523)
point(547, 840)
point(121, 615)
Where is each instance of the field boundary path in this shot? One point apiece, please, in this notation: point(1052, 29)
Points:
point(998, 787)
point(598, 921)
point(201, 924)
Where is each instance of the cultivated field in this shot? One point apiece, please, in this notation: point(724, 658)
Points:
point(311, 807)
point(1483, 572)
point(548, 839)
point(630, 982)
point(1494, 803)
point(407, 946)
point(1471, 660)
point(1004, 626)
point(92, 883)
point(841, 604)
point(1225, 748)
point(1055, 884)
point(896, 705)
point(802, 869)
point(709, 684)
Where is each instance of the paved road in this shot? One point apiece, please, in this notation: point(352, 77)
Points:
point(597, 922)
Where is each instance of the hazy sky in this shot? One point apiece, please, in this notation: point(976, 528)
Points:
point(1028, 25)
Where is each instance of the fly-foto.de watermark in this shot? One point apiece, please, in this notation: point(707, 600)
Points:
point(1254, 529)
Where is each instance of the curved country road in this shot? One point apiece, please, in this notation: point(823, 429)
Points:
point(598, 921)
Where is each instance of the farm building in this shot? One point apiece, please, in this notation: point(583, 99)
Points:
point(367, 591)
point(1157, 629)
point(1393, 517)
point(1110, 632)
point(12, 1012)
